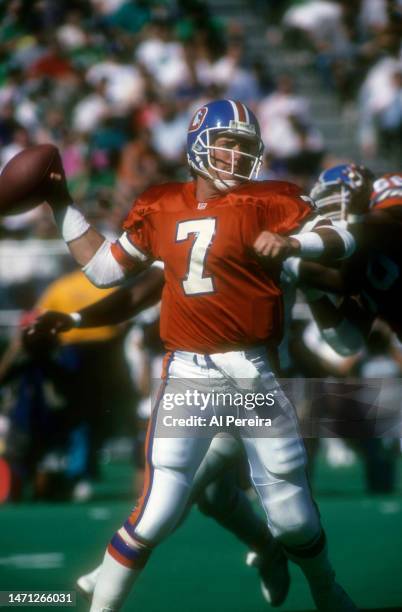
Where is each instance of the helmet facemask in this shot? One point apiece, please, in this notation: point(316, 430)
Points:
point(207, 153)
point(332, 199)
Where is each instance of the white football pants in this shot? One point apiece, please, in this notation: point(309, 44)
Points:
point(175, 450)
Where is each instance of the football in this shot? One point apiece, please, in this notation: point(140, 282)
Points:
point(26, 180)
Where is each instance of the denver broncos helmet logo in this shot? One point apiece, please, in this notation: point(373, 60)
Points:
point(198, 119)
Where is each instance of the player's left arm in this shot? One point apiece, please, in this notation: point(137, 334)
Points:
point(306, 235)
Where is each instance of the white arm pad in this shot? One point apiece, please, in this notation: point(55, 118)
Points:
point(103, 270)
point(71, 223)
point(311, 244)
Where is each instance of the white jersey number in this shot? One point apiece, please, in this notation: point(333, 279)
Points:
point(203, 229)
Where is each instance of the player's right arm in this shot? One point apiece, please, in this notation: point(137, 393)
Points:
point(100, 259)
point(294, 229)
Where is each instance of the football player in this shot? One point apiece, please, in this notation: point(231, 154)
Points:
point(372, 210)
point(337, 316)
point(222, 238)
point(215, 488)
point(376, 270)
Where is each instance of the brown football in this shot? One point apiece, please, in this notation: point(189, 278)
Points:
point(25, 180)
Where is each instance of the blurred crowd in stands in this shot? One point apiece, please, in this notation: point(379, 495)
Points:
point(113, 84)
point(357, 46)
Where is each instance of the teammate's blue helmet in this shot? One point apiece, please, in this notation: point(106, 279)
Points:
point(334, 187)
point(224, 117)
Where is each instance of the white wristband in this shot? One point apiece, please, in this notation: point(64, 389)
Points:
point(71, 223)
point(311, 244)
point(77, 318)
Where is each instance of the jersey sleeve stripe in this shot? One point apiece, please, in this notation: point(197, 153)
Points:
point(132, 250)
point(120, 255)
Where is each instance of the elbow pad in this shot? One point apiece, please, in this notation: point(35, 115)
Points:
point(103, 270)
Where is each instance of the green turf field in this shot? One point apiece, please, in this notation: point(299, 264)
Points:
point(201, 568)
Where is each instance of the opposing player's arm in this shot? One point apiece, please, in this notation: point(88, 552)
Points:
point(125, 302)
point(342, 322)
point(315, 275)
point(117, 307)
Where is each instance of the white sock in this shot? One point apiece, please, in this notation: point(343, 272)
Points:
point(112, 586)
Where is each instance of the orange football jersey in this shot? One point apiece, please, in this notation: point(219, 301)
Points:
point(216, 296)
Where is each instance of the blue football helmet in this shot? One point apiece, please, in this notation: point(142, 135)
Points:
point(224, 117)
point(333, 190)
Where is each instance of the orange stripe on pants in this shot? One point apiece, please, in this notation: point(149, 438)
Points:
point(148, 467)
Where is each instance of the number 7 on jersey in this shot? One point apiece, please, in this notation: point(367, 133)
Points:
point(204, 229)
